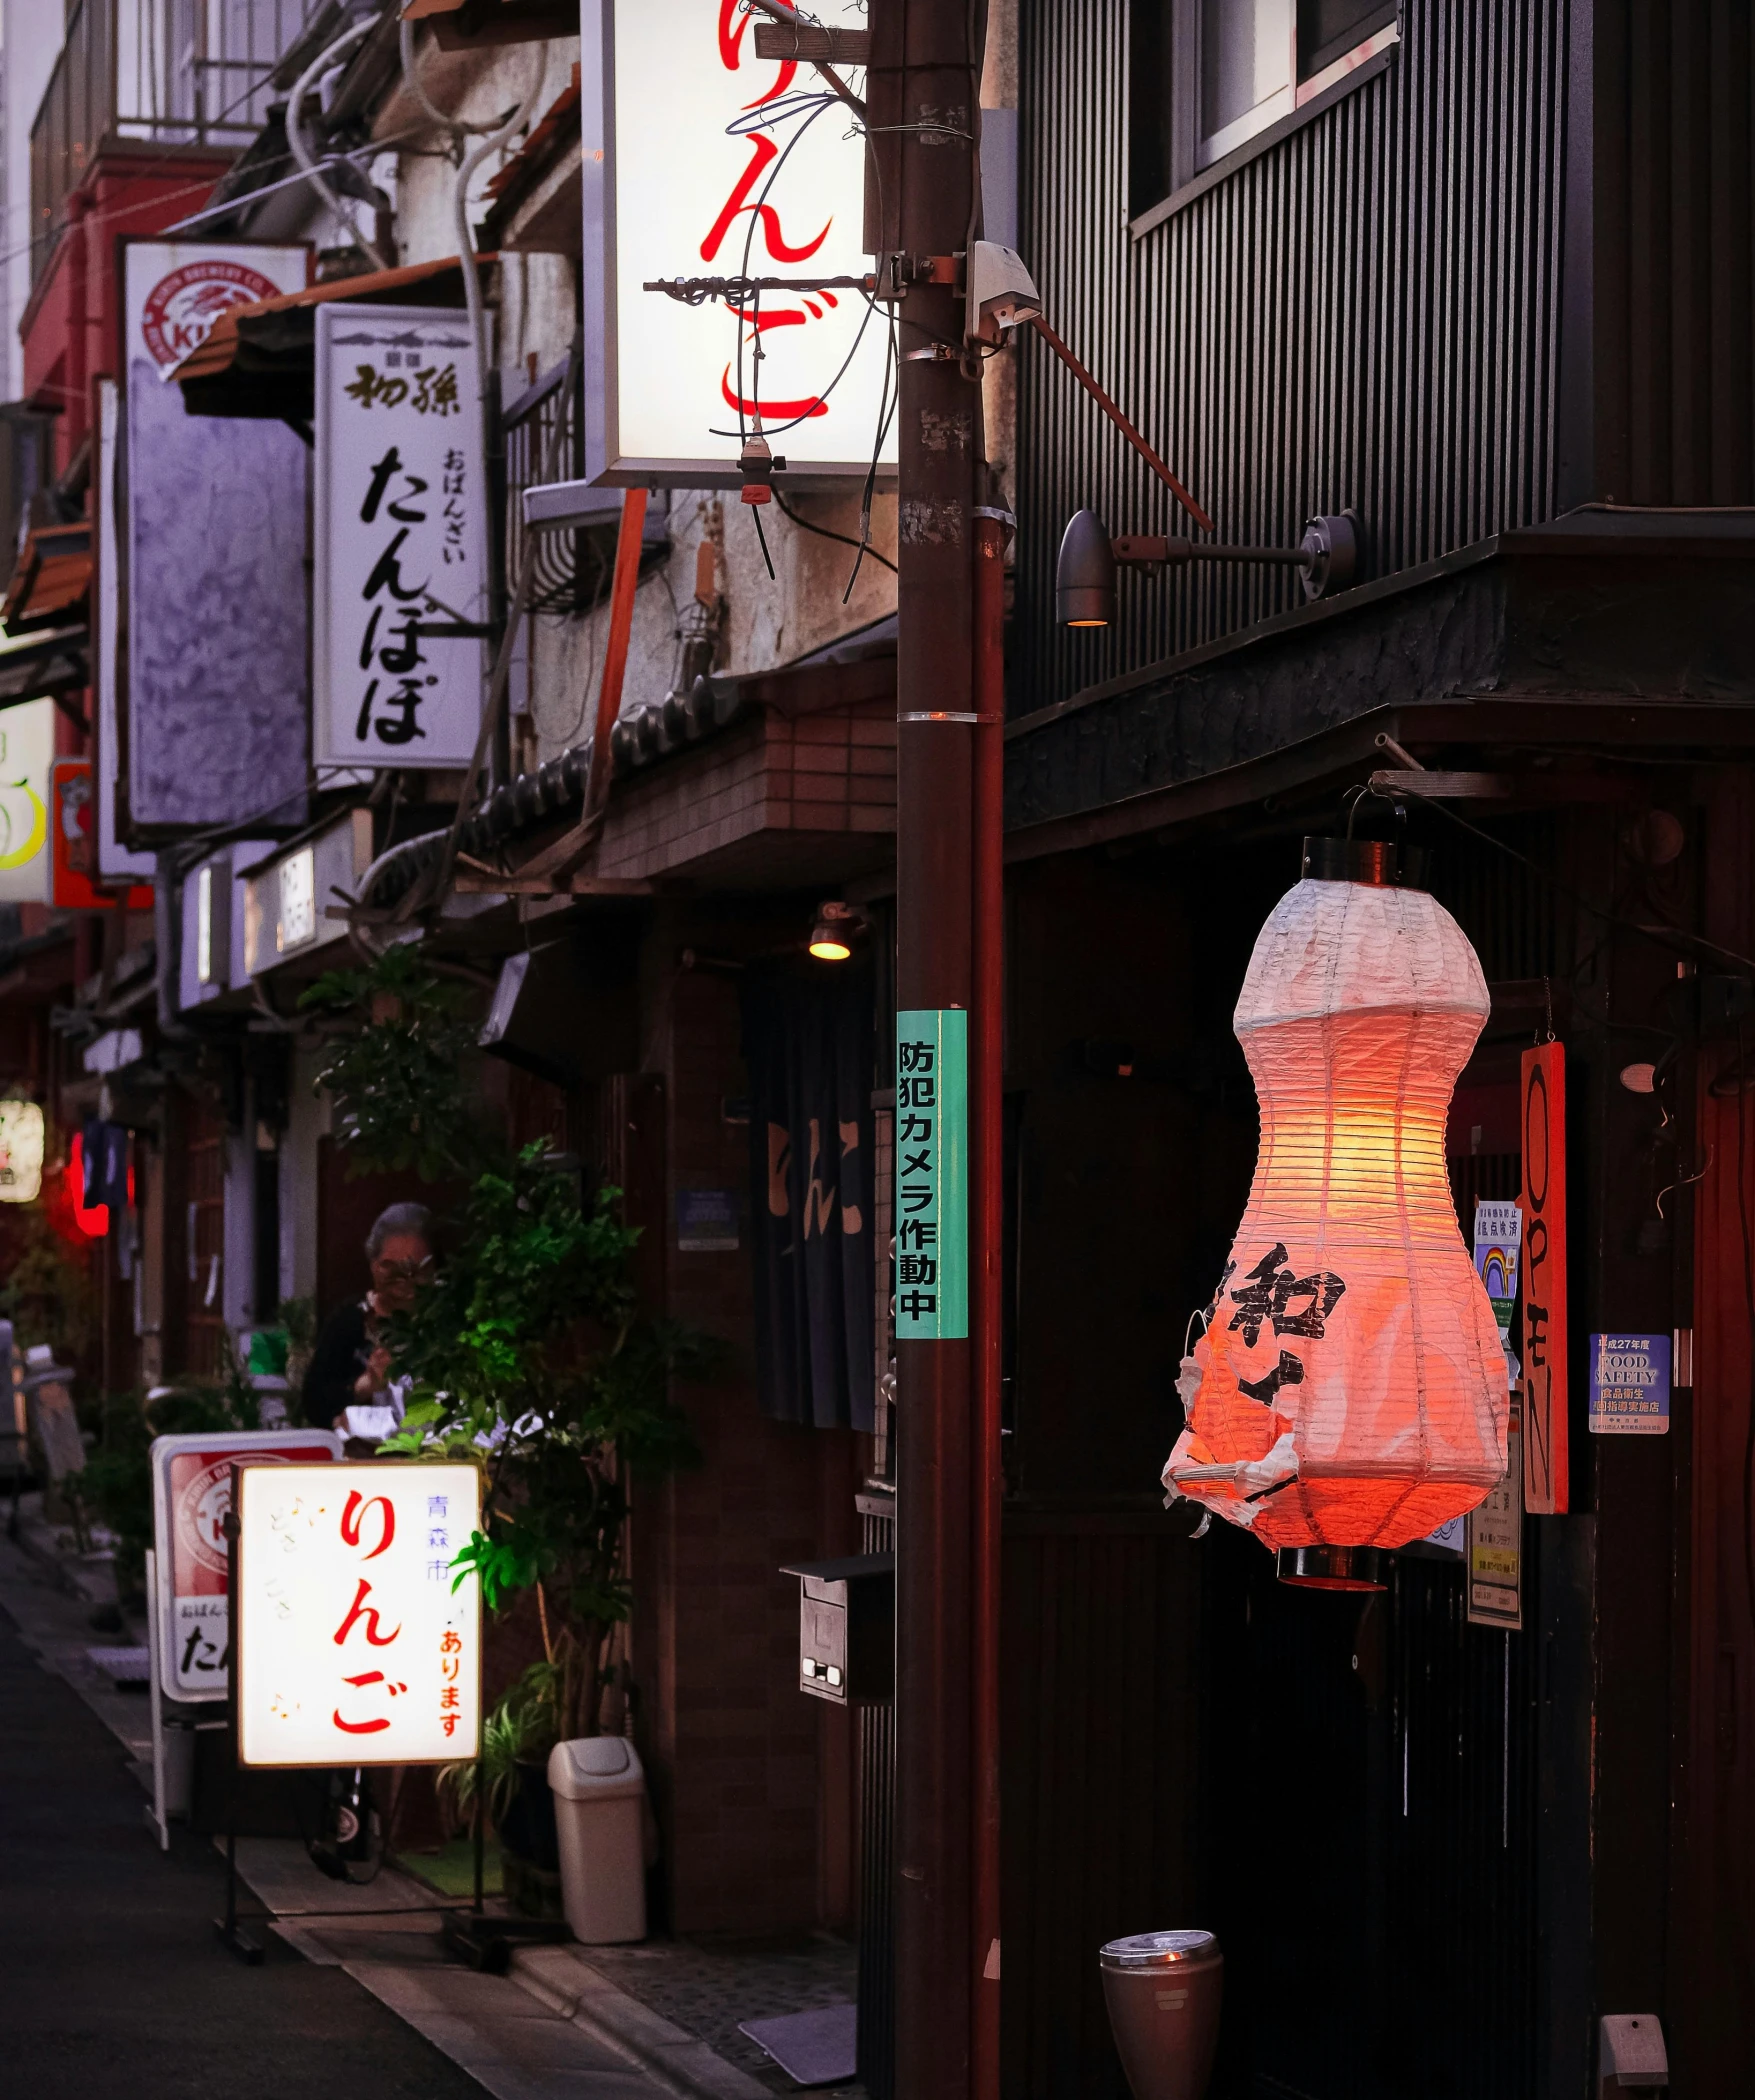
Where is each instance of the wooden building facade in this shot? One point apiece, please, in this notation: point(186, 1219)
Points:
point(1480, 272)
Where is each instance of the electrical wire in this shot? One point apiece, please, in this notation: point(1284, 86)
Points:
point(822, 532)
point(1661, 937)
point(887, 405)
point(151, 161)
point(303, 154)
point(754, 214)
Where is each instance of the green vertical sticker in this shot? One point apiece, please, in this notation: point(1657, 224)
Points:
point(932, 1174)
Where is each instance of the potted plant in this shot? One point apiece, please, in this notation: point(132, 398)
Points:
point(529, 1355)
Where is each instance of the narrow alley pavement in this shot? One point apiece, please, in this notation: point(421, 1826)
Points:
point(114, 1982)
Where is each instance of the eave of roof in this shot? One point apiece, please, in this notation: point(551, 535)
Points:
point(260, 359)
point(52, 577)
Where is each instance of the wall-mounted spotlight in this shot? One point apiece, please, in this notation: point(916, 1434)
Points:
point(1084, 577)
point(836, 928)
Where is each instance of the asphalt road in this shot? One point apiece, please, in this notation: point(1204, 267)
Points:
point(112, 1985)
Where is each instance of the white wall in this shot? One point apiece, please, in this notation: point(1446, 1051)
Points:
point(765, 621)
point(30, 41)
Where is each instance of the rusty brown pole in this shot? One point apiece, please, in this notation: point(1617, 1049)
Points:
point(922, 95)
point(986, 1282)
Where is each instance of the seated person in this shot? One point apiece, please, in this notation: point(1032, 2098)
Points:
point(350, 1367)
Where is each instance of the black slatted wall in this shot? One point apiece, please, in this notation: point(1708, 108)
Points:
point(1366, 315)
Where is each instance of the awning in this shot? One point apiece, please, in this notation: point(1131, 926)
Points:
point(260, 359)
point(465, 25)
point(533, 203)
point(52, 579)
point(42, 666)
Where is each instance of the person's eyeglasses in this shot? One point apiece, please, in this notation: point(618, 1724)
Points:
point(410, 1271)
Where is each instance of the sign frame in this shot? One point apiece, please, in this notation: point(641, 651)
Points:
point(1542, 1199)
point(27, 871)
point(1653, 1374)
point(278, 719)
point(1495, 1526)
point(932, 1073)
point(607, 464)
point(458, 661)
point(223, 1445)
point(116, 863)
point(458, 1597)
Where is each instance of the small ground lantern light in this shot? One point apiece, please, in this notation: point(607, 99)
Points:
point(1084, 574)
point(836, 927)
point(1349, 1393)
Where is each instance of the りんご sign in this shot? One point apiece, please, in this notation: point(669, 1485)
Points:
point(357, 1643)
point(703, 159)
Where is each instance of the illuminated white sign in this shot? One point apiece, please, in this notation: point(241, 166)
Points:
point(21, 1151)
point(717, 163)
point(353, 1645)
point(204, 924)
point(27, 751)
point(401, 538)
point(297, 922)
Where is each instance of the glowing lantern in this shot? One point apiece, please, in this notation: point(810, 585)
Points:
point(21, 1151)
point(1350, 1390)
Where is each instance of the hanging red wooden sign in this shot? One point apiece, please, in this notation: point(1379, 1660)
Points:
point(1543, 1202)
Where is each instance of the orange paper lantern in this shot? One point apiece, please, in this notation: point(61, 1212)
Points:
point(1350, 1389)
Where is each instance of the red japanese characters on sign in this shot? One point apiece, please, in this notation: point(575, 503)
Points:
point(358, 1643)
point(772, 185)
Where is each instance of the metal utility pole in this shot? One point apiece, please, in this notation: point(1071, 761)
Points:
point(924, 92)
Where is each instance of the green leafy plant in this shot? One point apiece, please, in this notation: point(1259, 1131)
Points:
point(117, 1482)
point(530, 1357)
point(398, 1058)
point(48, 1293)
point(520, 1727)
point(528, 1352)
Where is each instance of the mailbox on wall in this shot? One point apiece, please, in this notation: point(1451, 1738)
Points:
point(847, 1628)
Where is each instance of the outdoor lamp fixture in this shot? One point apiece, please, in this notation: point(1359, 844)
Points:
point(1084, 577)
point(837, 925)
point(1350, 1391)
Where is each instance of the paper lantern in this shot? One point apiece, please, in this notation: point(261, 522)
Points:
point(1350, 1388)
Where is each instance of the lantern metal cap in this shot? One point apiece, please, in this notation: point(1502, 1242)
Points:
point(1160, 1950)
point(1334, 1567)
point(1382, 863)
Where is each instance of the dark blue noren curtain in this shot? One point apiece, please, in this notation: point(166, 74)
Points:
point(104, 1149)
point(808, 1041)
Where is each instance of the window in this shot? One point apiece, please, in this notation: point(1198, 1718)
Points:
point(1210, 75)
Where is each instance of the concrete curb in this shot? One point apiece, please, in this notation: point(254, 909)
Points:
point(563, 1979)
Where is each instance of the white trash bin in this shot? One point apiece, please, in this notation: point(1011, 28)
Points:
point(600, 1794)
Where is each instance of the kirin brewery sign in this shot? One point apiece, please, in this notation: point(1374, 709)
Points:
point(358, 1641)
point(704, 160)
point(202, 687)
point(191, 1494)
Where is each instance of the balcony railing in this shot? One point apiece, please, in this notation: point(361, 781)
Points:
point(174, 73)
